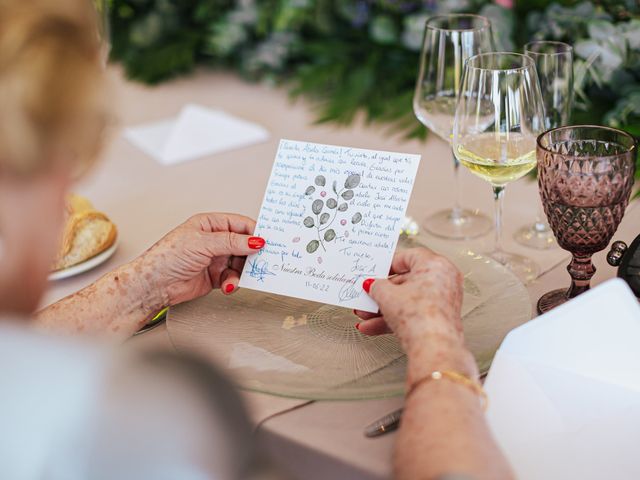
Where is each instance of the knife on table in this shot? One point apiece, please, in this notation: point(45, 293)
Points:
point(386, 424)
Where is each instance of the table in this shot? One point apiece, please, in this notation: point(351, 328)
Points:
point(313, 440)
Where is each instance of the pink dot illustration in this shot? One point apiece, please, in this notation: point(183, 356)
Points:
point(343, 222)
point(319, 259)
point(323, 194)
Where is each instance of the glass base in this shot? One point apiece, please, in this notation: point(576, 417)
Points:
point(460, 225)
point(533, 236)
point(552, 299)
point(522, 267)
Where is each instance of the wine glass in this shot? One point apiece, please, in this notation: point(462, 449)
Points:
point(585, 174)
point(448, 41)
point(554, 62)
point(499, 115)
point(102, 23)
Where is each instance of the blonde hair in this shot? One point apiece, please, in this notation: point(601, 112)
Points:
point(52, 102)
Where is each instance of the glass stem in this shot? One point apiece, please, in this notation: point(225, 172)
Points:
point(498, 195)
point(456, 212)
point(581, 270)
point(541, 225)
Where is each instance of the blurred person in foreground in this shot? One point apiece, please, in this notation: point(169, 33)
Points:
point(75, 407)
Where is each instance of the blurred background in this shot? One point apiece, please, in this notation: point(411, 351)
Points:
point(352, 56)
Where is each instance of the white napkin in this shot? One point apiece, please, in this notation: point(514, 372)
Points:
point(196, 132)
point(564, 390)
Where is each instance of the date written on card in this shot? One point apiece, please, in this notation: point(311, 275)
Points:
point(331, 217)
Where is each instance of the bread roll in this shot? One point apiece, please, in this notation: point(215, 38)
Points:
point(77, 204)
point(87, 233)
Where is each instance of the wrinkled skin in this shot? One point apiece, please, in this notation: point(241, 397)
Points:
point(207, 251)
point(422, 298)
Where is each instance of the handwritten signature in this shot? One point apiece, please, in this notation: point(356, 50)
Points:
point(349, 291)
point(259, 269)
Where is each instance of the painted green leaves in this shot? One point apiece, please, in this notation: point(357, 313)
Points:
point(316, 206)
point(327, 219)
point(352, 181)
point(312, 246)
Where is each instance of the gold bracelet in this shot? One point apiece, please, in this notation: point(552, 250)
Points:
point(456, 377)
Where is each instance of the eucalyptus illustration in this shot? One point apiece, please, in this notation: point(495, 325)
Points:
point(326, 212)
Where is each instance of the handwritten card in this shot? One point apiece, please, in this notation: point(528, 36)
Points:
point(331, 217)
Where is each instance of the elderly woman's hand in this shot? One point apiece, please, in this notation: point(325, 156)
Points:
point(443, 431)
point(420, 302)
point(207, 251)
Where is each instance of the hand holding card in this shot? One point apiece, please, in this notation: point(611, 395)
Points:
point(331, 216)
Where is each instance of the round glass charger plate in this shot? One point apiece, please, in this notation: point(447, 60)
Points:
point(300, 349)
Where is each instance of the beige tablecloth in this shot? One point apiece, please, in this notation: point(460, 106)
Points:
point(145, 199)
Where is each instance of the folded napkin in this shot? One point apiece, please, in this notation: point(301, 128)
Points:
point(564, 390)
point(196, 132)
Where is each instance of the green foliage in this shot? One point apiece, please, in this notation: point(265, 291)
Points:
point(353, 56)
point(607, 60)
point(606, 40)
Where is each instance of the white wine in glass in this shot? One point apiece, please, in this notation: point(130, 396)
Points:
point(497, 158)
point(448, 41)
point(503, 87)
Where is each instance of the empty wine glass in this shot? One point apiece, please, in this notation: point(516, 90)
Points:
point(498, 118)
point(102, 24)
point(554, 62)
point(585, 174)
point(448, 41)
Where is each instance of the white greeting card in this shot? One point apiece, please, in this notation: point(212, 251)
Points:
point(331, 217)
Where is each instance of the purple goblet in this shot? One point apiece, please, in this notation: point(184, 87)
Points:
point(585, 174)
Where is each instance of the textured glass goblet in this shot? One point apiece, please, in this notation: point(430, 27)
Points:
point(585, 175)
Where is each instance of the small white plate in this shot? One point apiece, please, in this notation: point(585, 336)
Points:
point(93, 262)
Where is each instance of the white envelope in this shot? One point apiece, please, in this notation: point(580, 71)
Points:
point(564, 390)
point(196, 132)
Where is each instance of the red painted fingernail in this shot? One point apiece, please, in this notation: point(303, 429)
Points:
point(256, 243)
point(358, 326)
point(355, 312)
point(229, 288)
point(366, 285)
